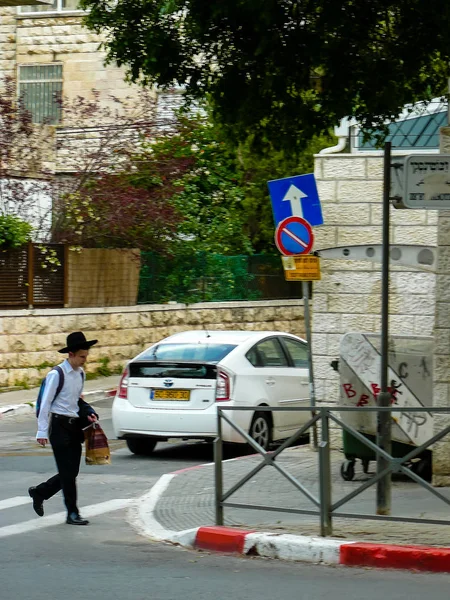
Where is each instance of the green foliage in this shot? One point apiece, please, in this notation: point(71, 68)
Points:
point(284, 71)
point(257, 170)
point(21, 384)
point(48, 258)
point(195, 277)
point(44, 365)
point(104, 370)
point(14, 232)
point(221, 187)
point(206, 277)
point(210, 195)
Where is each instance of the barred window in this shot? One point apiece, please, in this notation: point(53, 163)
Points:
point(56, 6)
point(40, 90)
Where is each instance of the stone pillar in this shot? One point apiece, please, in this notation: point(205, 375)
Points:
point(441, 368)
point(8, 31)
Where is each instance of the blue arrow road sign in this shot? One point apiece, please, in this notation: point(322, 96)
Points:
point(296, 196)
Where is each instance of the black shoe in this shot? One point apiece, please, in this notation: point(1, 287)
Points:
point(76, 519)
point(38, 502)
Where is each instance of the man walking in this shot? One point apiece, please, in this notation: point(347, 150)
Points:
point(62, 416)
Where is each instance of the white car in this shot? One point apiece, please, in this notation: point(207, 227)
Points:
point(172, 389)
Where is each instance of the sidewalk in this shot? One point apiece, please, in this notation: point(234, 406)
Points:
point(180, 509)
point(21, 401)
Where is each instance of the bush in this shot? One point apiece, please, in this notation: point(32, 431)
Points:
point(13, 232)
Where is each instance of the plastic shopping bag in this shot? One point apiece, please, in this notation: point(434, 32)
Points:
point(97, 447)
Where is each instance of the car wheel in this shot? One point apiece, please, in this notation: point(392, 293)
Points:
point(141, 446)
point(260, 430)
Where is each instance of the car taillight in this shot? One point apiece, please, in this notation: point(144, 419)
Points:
point(223, 387)
point(123, 385)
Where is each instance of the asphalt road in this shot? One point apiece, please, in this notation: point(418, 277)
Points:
point(109, 560)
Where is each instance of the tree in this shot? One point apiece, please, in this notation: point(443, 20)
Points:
point(222, 187)
point(120, 178)
point(210, 180)
point(114, 210)
point(257, 170)
point(284, 70)
point(74, 183)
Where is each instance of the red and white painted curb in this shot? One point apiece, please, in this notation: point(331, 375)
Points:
point(284, 546)
point(321, 550)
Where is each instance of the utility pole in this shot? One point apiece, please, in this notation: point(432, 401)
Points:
point(312, 390)
point(384, 397)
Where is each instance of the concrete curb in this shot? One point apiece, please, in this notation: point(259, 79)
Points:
point(27, 407)
point(284, 546)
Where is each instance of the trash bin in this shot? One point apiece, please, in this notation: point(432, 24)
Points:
point(410, 383)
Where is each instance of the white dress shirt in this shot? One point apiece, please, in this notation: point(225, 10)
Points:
point(66, 402)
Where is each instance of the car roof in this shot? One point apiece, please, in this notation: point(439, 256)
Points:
point(218, 336)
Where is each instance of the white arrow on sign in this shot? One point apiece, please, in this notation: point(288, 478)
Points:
point(294, 195)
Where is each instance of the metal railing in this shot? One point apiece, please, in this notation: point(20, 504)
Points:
point(206, 277)
point(325, 508)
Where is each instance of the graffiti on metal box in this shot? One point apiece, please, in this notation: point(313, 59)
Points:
point(409, 382)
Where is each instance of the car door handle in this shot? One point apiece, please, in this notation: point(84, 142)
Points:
point(270, 381)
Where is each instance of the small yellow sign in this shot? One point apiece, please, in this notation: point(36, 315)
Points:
point(301, 268)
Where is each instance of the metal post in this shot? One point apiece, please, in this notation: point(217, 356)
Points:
point(218, 471)
point(30, 276)
point(312, 389)
point(66, 275)
point(326, 525)
point(384, 398)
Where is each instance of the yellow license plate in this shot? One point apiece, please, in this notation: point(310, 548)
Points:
point(170, 395)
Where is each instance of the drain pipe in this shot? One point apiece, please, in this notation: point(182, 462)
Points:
point(342, 132)
point(342, 142)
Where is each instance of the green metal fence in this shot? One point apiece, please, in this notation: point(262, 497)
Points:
point(207, 277)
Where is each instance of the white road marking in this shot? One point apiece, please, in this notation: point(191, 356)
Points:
point(16, 501)
point(58, 518)
point(142, 512)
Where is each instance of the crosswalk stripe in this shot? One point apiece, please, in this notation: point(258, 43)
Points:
point(16, 501)
point(56, 519)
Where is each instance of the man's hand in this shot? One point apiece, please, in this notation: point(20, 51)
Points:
point(92, 418)
point(42, 441)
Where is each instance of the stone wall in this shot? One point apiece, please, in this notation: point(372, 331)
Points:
point(29, 339)
point(348, 298)
point(441, 374)
point(63, 39)
point(8, 41)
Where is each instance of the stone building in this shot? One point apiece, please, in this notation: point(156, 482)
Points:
point(348, 298)
point(49, 54)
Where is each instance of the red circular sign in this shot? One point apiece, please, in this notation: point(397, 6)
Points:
point(293, 236)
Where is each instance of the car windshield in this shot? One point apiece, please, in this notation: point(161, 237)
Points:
point(202, 352)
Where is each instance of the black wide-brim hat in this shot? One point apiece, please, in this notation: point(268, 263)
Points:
point(77, 341)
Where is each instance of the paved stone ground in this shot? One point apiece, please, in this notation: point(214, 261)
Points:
point(189, 501)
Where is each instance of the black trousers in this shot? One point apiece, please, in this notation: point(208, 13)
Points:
point(66, 437)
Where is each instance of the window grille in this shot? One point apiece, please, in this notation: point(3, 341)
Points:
point(40, 90)
point(56, 6)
